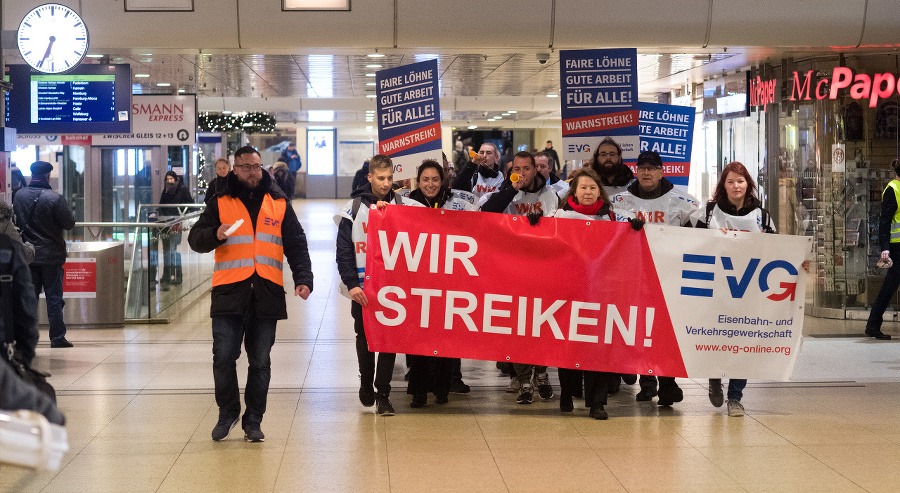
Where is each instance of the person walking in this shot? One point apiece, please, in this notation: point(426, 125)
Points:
point(251, 227)
point(43, 215)
point(889, 243)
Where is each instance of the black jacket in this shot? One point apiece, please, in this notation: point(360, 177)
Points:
point(179, 196)
point(443, 195)
point(467, 178)
point(888, 209)
point(500, 200)
point(44, 227)
point(265, 296)
point(18, 303)
point(346, 252)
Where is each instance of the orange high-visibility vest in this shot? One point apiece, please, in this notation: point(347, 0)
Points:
point(245, 252)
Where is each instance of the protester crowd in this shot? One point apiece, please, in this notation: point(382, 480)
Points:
point(605, 189)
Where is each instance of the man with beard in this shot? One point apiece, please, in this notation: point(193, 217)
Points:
point(252, 228)
point(482, 175)
point(615, 174)
point(528, 196)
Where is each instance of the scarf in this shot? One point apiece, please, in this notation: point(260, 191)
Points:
point(588, 210)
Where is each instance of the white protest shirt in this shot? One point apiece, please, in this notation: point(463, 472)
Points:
point(612, 191)
point(752, 222)
point(460, 200)
point(561, 188)
point(673, 208)
point(359, 233)
point(566, 214)
point(544, 201)
point(485, 185)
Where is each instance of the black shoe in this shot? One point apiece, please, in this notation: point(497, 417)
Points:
point(878, 334)
point(384, 407)
point(629, 379)
point(441, 399)
point(64, 343)
point(565, 404)
point(670, 396)
point(418, 400)
point(645, 395)
point(597, 412)
point(226, 423)
point(459, 387)
point(366, 395)
point(716, 397)
point(252, 433)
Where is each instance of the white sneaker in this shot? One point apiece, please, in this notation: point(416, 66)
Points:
point(735, 408)
point(514, 385)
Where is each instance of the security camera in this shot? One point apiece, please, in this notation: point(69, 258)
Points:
point(542, 58)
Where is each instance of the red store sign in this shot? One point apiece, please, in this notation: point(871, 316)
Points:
point(862, 86)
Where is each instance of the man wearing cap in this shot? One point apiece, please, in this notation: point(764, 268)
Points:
point(43, 215)
point(654, 199)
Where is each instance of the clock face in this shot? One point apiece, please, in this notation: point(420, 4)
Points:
point(52, 38)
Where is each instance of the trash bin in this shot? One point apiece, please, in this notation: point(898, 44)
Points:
point(93, 286)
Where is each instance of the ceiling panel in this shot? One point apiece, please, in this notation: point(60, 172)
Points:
point(787, 23)
point(635, 23)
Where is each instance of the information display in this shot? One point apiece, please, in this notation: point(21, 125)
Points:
point(90, 99)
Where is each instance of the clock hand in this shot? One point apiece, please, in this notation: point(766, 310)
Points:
point(47, 53)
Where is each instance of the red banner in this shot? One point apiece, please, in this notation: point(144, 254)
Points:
point(492, 287)
point(594, 123)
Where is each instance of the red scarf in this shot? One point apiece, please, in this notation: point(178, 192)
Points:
point(588, 210)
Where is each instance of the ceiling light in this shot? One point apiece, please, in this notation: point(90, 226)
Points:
point(472, 127)
point(370, 111)
point(181, 90)
point(163, 84)
point(374, 65)
point(370, 75)
point(316, 5)
point(370, 95)
point(513, 111)
point(492, 119)
point(505, 114)
point(226, 112)
point(146, 54)
point(321, 115)
point(368, 127)
point(370, 83)
point(553, 95)
point(375, 55)
point(142, 75)
point(498, 117)
point(94, 56)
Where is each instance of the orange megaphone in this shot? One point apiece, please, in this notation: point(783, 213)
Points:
point(473, 154)
point(513, 177)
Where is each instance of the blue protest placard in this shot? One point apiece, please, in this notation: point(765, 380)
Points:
point(669, 131)
point(409, 116)
point(599, 100)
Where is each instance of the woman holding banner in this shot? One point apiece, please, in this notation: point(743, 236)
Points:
point(432, 193)
point(734, 207)
point(586, 199)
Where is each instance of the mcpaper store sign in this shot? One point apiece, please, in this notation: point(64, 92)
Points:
point(808, 87)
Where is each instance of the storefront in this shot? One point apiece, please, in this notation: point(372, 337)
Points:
point(831, 132)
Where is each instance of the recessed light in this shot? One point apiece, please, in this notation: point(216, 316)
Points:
point(142, 75)
point(375, 55)
point(498, 117)
point(370, 111)
point(513, 111)
point(226, 112)
point(472, 127)
point(94, 56)
point(370, 83)
point(370, 95)
point(375, 65)
point(553, 95)
point(505, 114)
point(368, 127)
point(146, 54)
point(492, 119)
point(181, 90)
point(163, 84)
point(370, 75)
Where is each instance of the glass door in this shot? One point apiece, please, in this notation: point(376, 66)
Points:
point(126, 183)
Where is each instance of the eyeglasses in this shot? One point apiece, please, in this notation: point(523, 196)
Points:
point(648, 168)
point(248, 167)
point(607, 154)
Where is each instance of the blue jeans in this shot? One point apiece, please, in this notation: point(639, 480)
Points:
point(259, 336)
point(50, 279)
point(736, 388)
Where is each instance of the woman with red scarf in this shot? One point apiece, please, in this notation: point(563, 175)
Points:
point(586, 199)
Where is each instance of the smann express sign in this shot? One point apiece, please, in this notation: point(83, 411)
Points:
point(862, 86)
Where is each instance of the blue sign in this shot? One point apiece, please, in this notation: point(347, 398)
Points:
point(409, 115)
point(599, 100)
point(669, 131)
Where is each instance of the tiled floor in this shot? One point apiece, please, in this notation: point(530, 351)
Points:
point(140, 406)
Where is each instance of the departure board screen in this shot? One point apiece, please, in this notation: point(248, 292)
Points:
point(89, 99)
